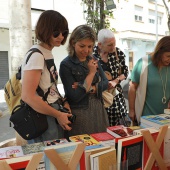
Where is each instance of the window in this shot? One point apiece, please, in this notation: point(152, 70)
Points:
point(138, 13)
point(152, 17)
point(34, 40)
point(152, 21)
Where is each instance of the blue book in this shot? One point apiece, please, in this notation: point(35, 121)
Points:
point(156, 120)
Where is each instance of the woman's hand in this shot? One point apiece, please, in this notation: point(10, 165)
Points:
point(62, 119)
point(92, 65)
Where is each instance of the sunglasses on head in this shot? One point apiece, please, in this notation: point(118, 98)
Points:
point(57, 33)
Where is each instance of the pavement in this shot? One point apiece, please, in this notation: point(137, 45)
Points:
point(6, 132)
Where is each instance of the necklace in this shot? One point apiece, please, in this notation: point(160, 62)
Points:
point(164, 85)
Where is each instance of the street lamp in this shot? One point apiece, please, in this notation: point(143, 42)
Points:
point(110, 4)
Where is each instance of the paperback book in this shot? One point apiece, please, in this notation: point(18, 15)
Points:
point(85, 138)
point(11, 152)
point(120, 131)
point(156, 120)
point(55, 142)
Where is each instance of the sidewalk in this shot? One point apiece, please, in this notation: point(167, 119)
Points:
point(6, 132)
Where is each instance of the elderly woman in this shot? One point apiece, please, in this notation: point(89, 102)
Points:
point(112, 60)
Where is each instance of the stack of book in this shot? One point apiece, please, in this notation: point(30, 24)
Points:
point(155, 121)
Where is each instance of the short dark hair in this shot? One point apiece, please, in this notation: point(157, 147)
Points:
point(79, 33)
point(162, 46)
point(48, 22)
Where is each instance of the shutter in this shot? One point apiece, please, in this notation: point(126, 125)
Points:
point(4, 68)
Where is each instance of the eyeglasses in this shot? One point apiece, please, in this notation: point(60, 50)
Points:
point(57, 33)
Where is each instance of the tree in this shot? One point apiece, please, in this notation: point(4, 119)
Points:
point(168, 12)
point(97, 14)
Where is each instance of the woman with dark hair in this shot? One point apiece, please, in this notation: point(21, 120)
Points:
point(149, 91)
point(84, 81)
point(39, 75)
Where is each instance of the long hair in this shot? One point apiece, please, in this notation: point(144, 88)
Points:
point(162, 46)
point(48, 22)
point(79, 33)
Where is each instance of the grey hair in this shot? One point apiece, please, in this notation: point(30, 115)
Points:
point(104, 34)
point(80, 33)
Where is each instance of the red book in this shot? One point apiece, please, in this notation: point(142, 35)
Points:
point(102, 136)
point(120, 131)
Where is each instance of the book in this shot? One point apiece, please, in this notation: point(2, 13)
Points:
point(119, 131)
point(103, 160)
point(167, 148)
point(130, 149)
point(33, 148)
point(85, 138)
point(64, 156)
point(156, 120)
point(93, 151)
point(102, 136)
point(11, 152)
point(167, 111)
point(55, 142)
point(139, 131)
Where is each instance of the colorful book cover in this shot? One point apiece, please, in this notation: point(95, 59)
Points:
point(102, 136)
point(85, 138)
point(120, 131)
point(66, 152)
point(33, 148)
point(11, 152)
point(55, 142)
point(156, 120)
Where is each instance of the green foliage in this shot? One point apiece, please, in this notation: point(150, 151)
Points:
point(97, 16)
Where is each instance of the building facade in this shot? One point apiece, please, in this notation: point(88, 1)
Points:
point(138, 24)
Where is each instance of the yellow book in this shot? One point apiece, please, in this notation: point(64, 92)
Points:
point(85, 138)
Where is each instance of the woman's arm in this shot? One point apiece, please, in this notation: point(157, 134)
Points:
point(30, 83)
point(131, 98)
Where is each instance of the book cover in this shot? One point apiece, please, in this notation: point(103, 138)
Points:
point(65, 155)
point(103, 160)
point(102, 136)
point(146, 151)
point(120, 131)
point(167, 111)
point(130, 149)
point(33, 148)
point(93, 151)
point(85, 138)
point(10, 152)
point(167, 148)
point(151, 130)
point(55, 142)
point(156, 120)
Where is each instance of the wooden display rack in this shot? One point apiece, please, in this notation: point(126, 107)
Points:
point(53, 156)
point(154, 148)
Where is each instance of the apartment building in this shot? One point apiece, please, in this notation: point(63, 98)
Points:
point(138, 24)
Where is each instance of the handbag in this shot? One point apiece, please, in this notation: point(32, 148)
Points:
point(27, 122)
point(108, 96)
